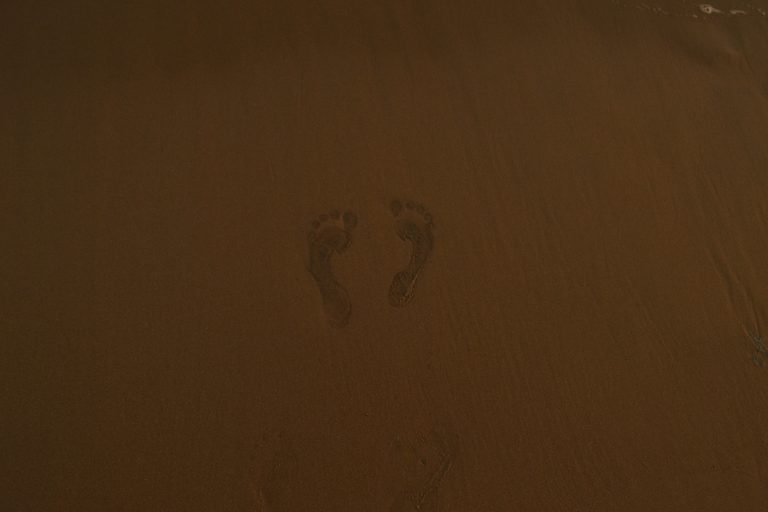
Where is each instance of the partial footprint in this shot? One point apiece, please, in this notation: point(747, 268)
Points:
point(422, 495)
point(412, 223)
point(761, 349)
point(331, 234)
point(279, 488)
point(693, 8)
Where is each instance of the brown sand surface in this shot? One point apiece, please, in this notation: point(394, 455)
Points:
point(585, 333)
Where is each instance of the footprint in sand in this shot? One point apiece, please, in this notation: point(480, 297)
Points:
point(691, 9)
point(422, 495)
point(414, 224)
point(279, 490)
point(331, 234)
point(761, 349)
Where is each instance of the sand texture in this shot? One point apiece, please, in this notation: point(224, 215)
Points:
point(391, 255)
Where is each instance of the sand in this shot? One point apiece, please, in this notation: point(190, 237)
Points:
point(384, 256)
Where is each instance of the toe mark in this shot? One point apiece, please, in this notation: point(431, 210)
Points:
point(350, 219)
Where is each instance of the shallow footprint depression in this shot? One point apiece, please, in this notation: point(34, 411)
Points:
point(413, 223)
point(331, 234)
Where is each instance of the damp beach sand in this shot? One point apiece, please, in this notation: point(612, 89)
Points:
point(285, 256)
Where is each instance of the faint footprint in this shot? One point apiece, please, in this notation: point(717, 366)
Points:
point(331, 234)
point(423, 496)
point(413, 223)
point(691, 9)
point(761, 350)
point(279, 489)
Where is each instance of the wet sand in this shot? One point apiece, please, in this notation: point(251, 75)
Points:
point(384, 256)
